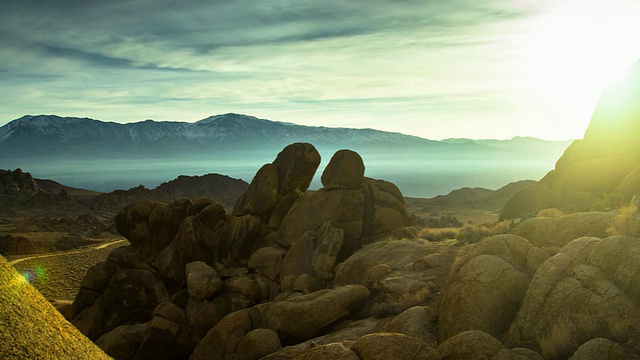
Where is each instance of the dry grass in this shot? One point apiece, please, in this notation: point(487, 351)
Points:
point(568, 334)
point(550, 212)
point(627, 222)
point(394, 304)
point(438, 234)
point(475, 233)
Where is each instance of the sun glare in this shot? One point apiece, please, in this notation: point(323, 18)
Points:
point(578, 49)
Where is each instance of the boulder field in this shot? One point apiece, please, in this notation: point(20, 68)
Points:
point(340, 272)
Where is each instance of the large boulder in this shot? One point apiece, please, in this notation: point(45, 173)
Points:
point(477, 345)
point(223, 339)
point(600, 348)
point(336, 351)
point(557, 232)
point(124, 341)
point(485, 291)
point(385, 209)
point(130, 298)
point(418, 321)
point(256, 344)
point(203, 282)
point(343, 208)
point(383, 346)
point(588, 290)
point(193, 242)
point(314, 255)
point(240, 237)
point(292, 169)
point(344, 171)
point(301, 318)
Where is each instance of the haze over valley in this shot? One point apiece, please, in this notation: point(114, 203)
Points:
point(105, 156)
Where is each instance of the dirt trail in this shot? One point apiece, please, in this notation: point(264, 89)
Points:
point(68, 252)
point(58, 275)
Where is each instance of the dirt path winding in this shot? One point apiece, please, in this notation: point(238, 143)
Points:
point(59, 253)
point(58, 275)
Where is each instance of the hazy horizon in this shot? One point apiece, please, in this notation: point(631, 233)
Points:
point(437, 70)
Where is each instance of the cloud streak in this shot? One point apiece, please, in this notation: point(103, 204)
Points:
point(425, 64)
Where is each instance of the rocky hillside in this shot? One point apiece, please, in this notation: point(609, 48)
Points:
point(19, 189)
point(224, 189)
point(602, 170)
point(32, 328)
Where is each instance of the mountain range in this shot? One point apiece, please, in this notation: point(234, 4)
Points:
point(104, 156)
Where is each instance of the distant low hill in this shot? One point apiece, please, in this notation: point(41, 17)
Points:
point(103, 156)
point(224, 189)
point(20, 192)
point(471, 198)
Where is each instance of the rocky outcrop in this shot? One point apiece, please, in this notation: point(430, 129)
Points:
point(601, 163)
point(224, 189)
point(292, 169)
point(199, 282)
point(17, 187)
point(527, 201)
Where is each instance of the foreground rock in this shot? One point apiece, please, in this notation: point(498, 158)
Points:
point(589, 290)
point(486, 290)
point(32, 328)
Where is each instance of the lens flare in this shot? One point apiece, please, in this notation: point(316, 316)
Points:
point(39, 274)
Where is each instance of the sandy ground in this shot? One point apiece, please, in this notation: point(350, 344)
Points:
point(57, 276)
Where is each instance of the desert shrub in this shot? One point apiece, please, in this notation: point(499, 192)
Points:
point(394, 304)
point(550, 212)
point(474, 233)
point(626, 222)
point(438, 234)
point(608, 202)
point(444, 221)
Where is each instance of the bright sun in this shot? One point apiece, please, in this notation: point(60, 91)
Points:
point(579, 48)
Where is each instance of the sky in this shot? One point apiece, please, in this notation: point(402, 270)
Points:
point(431, 68)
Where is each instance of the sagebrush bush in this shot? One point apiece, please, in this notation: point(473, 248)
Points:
point(475, 233)
point(627, 222)
point(550, 212)
point(438, 234)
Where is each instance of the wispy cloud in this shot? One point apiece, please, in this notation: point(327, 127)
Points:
point(427, 64)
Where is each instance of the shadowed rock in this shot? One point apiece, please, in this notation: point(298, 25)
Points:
point(344, 171)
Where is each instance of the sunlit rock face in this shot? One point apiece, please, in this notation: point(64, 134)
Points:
point(31, 328)
point(610, 149)
point(603, 162)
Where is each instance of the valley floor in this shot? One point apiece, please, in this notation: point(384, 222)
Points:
point(57, 276)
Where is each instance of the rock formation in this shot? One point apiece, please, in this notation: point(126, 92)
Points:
point(199, 282)
point(606, 161)
point(17, 187)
